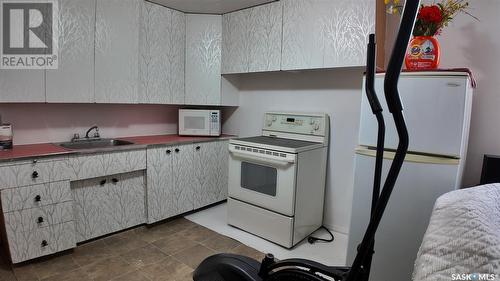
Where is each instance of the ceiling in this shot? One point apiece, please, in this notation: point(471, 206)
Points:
point(210, 6)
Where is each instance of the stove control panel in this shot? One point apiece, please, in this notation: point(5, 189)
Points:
point(297, 123)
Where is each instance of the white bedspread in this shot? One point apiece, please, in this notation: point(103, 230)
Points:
point(463, 235)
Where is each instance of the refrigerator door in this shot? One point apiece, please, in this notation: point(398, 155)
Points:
point(436, 111)
point(407, 215)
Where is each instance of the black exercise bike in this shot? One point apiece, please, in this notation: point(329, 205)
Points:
point(229, 267)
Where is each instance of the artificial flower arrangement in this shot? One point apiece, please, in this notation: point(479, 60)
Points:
point(431, 19)
point(424, 52)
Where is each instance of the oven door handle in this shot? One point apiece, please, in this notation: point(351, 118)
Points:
point(261, 158)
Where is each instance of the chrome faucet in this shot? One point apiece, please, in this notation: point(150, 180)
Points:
point(96, 134)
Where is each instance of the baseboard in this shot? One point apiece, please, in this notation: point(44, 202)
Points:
point(338, 228)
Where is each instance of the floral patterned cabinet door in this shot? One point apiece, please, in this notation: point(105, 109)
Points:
point(203, 59)
point(162, 38)
point(326, 33)
point(251, 39)
point(73, 81)
point(117, 51)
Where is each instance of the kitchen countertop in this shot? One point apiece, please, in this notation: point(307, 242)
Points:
point(20, 152)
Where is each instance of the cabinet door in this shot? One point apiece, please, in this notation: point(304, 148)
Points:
point(104, 206)
point(182, 185)
point(235, 43)
point(220, 171)
point(117, 51)
point(265, 28)
point(326, 33)
point(203, 59)
point(170, 187)
point(22, 85)
point(125, 195)
point(73, 81)
point(159, 187)
point(210, 173)
point(162, 55)
point(251, 40)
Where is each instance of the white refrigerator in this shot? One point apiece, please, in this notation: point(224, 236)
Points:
point(437, 108)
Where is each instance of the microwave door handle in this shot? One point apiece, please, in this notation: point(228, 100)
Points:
point(262, 159)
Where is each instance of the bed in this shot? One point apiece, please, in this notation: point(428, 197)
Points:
point(463, 237)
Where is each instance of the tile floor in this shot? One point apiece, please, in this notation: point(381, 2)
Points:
point(168, 251)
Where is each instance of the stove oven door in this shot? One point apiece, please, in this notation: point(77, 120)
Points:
point(263, 178)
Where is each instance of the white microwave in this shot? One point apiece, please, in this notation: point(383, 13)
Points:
point(199, 122)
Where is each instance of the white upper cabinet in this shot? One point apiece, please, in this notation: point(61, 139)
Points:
point(117, 51)
point(22, 85)
point(73, 81)
point(203, 59)
point(251, 39)
point(162, 55)
point(326, 33)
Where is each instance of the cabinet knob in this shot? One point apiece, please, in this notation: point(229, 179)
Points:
point(103, 182)
point(35, 161)
point(38, 198)
point(115, 180)
point(198, 147)
point(177, 150)
point(45, 243)
point(34, 175)
point(40, 220)
point(169, 151)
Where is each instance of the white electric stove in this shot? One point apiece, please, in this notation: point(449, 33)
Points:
point(277, 180)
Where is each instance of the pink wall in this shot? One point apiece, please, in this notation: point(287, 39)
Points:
point(41, 123)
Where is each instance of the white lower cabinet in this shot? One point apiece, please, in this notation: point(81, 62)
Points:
point(38, 220)
point(184, 178)
point(210, 164)
point(169, 181)
point(108, 204)
point(41, 242)
point(103, 193)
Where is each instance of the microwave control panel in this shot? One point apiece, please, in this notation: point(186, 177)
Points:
point(296, 123)
point(215, 122)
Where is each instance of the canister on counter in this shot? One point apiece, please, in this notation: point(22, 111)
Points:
point(5, 136)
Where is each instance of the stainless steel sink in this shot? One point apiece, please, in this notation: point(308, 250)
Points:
point(94, 144)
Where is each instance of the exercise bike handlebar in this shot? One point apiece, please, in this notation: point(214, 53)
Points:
point(370, 76)
point(396, 108)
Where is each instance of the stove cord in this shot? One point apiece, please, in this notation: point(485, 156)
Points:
point(312, 239)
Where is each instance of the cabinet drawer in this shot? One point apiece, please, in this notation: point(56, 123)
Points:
point(31, 173)
point(28, 245)
point(103, 164)
point(35, 196)
point(36, 218)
